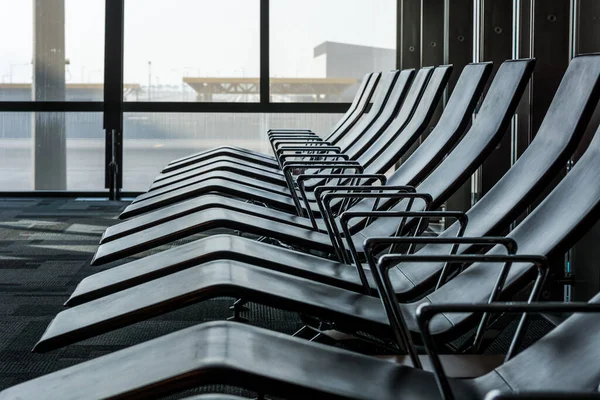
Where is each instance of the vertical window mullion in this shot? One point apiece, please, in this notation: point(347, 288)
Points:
point(265, 96)
point(113, 93)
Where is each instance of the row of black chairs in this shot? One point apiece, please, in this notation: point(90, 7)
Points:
point(320, 229)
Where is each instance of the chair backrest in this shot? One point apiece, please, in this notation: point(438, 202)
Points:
point(359, 93)
point(378, 103)
point(391, 109)
point(360, 109)
point(396, 144)
point(367, 85)
point(412, 97)
point(557, 138)
point(452, 125)
point(490, 125)
point(486, 132)
point(571, 209)
point(567, 358)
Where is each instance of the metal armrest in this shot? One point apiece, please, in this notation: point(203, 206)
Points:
point(312, 140)
point(302, 178)
point(305, 140)
point(497, 395)
point(329, 193)
point(320, 164)
point(292, 133)
point(426, 312)
point(320, 189)
point(380, 273)
point(307, 149)
point(324, 192)
point(346, 217)
point(334, 165)
point(299, 138)
point(324, 204)
point(284, 131)
point(508, 243)
point(340, 156)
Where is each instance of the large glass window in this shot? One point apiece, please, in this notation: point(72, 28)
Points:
point(321, 49)
point(152, 140)
point(60, 43)
point(175, 51)
point(192, 50)
point(51, 151)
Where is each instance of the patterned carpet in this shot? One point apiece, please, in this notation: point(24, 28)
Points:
point(46, 246)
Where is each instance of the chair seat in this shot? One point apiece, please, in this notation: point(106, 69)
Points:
point(240, 355)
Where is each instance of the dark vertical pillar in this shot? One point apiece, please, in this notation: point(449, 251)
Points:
point(265, 74)
point(113, 96)
point(496, 46)
point(49, 132)
point(409, 41)
point(550, 47)
point(523, 128)
point(587, 40)
point(432, 44)
point(586, 253)
point(459, 52)
point(431, 52)
point(410, 33)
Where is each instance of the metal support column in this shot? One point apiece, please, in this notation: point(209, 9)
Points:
point(586, 253)
point(265, 74)
point(409, 30)
point(496, 45)
point(433, 23)
point(550, 46)
point(409, 41)
point(49, 130)
point(113, 96)
point(522, 48)
point(458, 52)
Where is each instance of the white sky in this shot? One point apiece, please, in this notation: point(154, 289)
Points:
point(197, 37)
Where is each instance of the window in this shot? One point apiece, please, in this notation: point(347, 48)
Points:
point(68, 56)
point(192, 50)
point(69, 156)
point(321, 49)
point(152, 140)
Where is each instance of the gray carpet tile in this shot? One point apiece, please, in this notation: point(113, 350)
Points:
point(46, 246)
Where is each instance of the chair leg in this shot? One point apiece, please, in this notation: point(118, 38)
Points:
point(238, 307)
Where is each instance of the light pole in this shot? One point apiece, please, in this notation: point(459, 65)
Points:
point(149, 80)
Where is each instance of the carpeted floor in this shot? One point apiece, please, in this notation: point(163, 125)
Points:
point(46, 246)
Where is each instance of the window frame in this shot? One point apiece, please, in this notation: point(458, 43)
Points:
point(113, 107)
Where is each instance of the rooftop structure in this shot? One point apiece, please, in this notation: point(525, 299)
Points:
point(320, 89)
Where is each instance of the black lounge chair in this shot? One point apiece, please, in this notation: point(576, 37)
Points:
point(552, 228)
point(279, 196)
point(358, 106)
point(542, 395)
point(276, 182)
point(566, 359)
point(420, 164)
point(555, 141)
point(457, 167)
point(215, 397)
point(386, 101)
